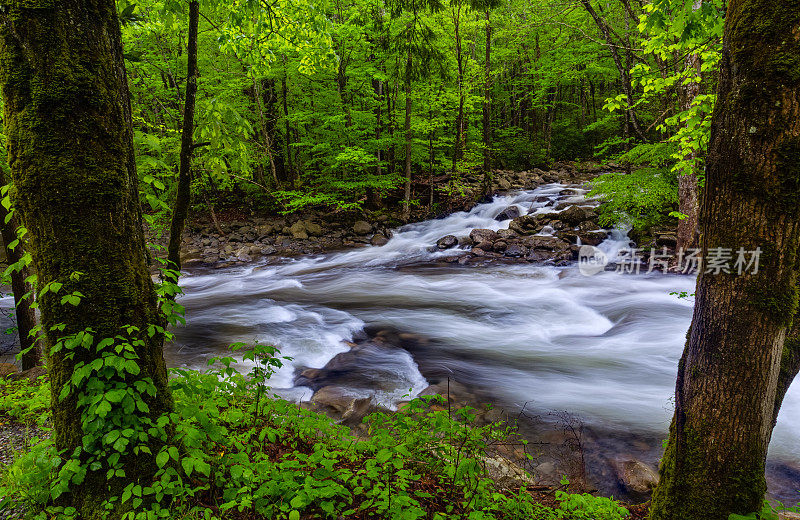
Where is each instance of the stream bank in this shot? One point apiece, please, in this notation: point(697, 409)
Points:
point(370, 327)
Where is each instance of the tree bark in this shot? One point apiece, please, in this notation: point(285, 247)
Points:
point(727, 392)
point(688, 188)
point(70, 148)
point(23, 291)
point(184, 195)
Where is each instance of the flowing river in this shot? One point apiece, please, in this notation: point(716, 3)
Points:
point(604, 348)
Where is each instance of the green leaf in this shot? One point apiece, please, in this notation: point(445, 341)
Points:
point(162, 458)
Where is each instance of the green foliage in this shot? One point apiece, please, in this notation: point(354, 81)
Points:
point(767, 513)
point(646, 196)
point(301, 104)
point(272, 459)
point(588, 507)
point(25, 401)
point(27, 480)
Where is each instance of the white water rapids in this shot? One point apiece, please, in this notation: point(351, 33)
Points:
point(604, 347)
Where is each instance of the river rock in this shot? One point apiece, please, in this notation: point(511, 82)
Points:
point(264, 230)
point(313, 229)
point(499, 246)
point(593, 238)
point(507, 234)
point(573, 215)
point(339, 402)
point(507, 474)
point(268, 250)
point(362, 227)
point(298, 230)
point(503, 184)
point(378, 239)
point(635, 476)
point(483, 238)
point(546, 243)
point(515, 251)
point(447, 242)
point(528, 224)
point(509, 213)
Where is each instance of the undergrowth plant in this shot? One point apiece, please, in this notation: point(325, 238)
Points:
point(238, 452)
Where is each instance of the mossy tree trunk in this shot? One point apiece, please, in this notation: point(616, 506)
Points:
point(70, 149)
point(737, 363)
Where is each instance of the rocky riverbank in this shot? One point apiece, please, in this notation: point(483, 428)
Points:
point(241, 240)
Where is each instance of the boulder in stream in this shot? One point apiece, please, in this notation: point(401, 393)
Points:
point(635, 476)
point(509, 213)
point(483, 238)
point(447, 242)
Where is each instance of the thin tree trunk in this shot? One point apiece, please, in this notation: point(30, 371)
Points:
point(289, 165)
point(409, 137)
point(458, 144)
point(183, 198)
point(265, 135)
point(70, 147)
point(736, 362)
point(624, 72)
point(487, 110)
point(23, 291)
point(688, 189)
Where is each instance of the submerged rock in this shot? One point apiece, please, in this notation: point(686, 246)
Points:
point(635, 476)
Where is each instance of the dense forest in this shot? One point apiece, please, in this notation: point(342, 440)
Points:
point(362, 104)
point(400, 259)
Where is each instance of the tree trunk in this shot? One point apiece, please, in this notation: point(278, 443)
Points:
point(26, 316)
point(458, 144)
point(624, 72)
point(487, 111)
point(688, 189)
point(409, 137)
point(736, 358)
point(289, 165)
point(70, 148)
point(184, 195)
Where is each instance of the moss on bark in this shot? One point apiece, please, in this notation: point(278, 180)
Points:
point(67, 114)
point(736, 364)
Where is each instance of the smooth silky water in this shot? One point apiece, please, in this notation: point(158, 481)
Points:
point(604, 348)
